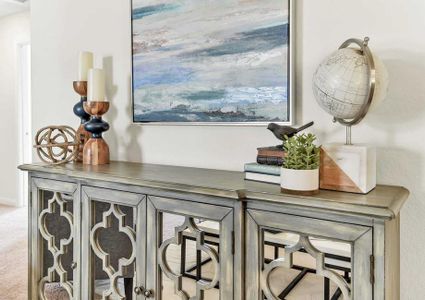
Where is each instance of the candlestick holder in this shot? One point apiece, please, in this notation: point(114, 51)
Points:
point(96, 150)
point(82, 136)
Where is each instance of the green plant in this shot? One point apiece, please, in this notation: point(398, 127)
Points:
point(302, 153)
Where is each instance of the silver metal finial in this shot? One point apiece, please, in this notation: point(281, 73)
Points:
point(366, 41)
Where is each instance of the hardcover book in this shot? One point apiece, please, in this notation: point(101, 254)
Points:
point(262, 177)
point(262, 169)
point(273, 151)
point(270, 160)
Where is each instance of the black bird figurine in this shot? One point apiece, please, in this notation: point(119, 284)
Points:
point(280, 131)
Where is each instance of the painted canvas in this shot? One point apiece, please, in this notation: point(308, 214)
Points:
point(212, 61)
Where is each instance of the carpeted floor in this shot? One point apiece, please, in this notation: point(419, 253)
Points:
point(13, 253)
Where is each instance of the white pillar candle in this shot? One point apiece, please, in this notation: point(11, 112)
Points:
point(85, 64)
point(96, 85)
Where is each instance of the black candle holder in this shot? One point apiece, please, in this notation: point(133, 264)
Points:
point(80, 87)
point(96, 150)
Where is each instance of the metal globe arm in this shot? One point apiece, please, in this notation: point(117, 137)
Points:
point(363, 44)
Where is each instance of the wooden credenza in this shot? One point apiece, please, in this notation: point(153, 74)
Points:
point(128, 230)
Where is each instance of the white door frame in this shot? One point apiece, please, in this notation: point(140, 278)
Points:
point(24, 116)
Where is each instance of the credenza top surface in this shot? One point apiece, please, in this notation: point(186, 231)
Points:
point(382, 202)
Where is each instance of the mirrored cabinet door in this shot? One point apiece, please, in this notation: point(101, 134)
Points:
point(298, 258)
point(189, 250)
point(53, 238)
point(113, 246)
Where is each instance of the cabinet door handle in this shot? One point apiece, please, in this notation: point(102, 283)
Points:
point(139, 290)
point(73, 265)
point(148, 293)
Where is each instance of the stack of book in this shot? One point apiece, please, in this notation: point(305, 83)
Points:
point(268, 165)
point(270, 155)
point(263, 173)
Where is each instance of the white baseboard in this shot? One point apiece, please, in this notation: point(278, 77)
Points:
point(13, 203)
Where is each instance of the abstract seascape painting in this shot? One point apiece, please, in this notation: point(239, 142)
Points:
point(211, 61)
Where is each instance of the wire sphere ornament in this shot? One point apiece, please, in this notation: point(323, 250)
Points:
point(56, 144)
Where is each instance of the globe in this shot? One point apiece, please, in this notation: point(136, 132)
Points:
point(342, 83)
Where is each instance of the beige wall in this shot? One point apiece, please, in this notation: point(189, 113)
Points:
point(61, 28)
point(14, 30)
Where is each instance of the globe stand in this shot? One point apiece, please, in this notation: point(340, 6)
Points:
point(348, 135)
point(347, 167)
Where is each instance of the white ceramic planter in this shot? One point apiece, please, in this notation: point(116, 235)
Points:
point(303, 181)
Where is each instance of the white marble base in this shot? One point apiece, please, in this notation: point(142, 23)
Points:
point(348, 168)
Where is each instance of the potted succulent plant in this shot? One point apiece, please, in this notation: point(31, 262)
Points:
point(300, 170)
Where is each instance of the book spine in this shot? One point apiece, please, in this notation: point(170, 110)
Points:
point(271, 153)
point(262, 177)
point(268, 160)
point(263, 169)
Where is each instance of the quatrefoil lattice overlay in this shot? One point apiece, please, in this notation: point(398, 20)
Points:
point(123, 263)
point(201, 285)
point(287, 261)
point(57, 253)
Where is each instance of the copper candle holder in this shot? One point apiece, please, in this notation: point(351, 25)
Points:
point(96, 150)
point(80, 87)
